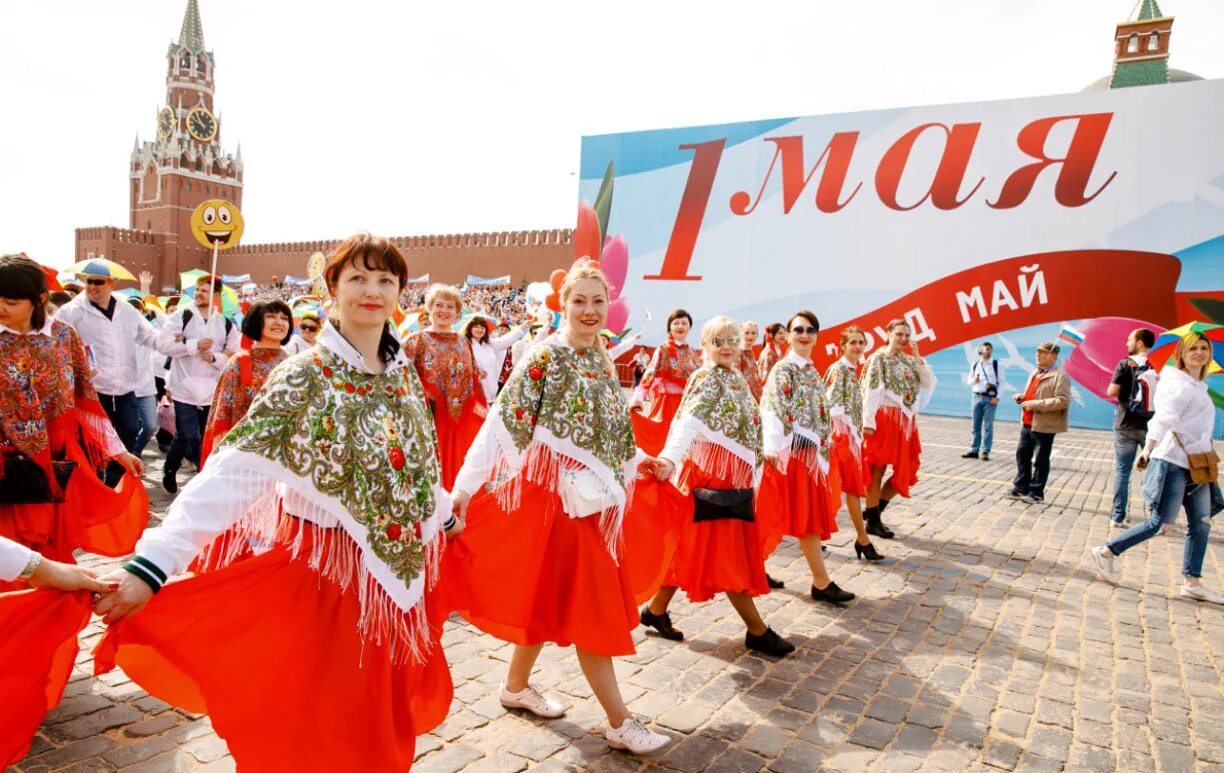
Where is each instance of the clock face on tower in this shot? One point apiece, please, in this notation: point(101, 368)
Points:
point(165, 123)
point(201, 124)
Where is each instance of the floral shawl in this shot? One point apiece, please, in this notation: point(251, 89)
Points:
point(718, 427)
point(794, 413)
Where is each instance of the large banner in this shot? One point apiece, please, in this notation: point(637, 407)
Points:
point(1075, 218)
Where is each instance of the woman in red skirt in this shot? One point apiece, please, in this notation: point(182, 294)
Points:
point(773, 350)
point(447, 368)
point(673, 362)
point(800, 491)
point(846, 407)
point(894, 385)
point(747, 361)
point(543, 493)
point(715, 443)
point(39, 645)
point(52, 424)
point(322, 652)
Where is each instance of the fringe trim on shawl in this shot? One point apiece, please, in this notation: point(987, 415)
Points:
point(337, 557)
point(541, 464)
point(845, 431)
point(718, 462)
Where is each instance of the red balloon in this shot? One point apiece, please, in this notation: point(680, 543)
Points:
point(553, 302)
point(556, 278)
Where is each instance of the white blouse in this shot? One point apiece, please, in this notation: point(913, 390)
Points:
point(13, 559)
point(1182, 407)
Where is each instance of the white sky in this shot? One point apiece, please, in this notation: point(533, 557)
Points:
point(428, 117)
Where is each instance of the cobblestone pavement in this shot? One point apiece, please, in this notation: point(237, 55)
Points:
point(983, 643)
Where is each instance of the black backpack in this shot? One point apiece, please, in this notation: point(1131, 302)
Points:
point(1140, 402)
point(187, 313)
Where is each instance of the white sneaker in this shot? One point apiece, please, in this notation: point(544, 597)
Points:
point(1106, 563)
point(1201, 594)
point(632, 736)
point(531, 700)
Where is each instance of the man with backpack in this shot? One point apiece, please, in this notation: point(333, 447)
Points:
point(199, 343)
point(984, 382)
point(1133, 386)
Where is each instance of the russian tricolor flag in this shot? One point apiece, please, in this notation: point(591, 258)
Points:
point(1070, 335)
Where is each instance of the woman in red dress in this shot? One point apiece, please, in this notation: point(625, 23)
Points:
point(673, 362)
point(39, 645)
point(747, 360)
point(544, 491)
point(774, 350)
point(894, 387)
point(846, 407)
point(715, 444)
point(800, 490)
point(447, 368)
point(269, 324)
point(323, 651)
point(50, 419)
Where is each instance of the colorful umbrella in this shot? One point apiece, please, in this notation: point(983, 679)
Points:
point(1165, 345)
point(229, 299)
point(100, 267)
point(131, 292)
point(189, 278)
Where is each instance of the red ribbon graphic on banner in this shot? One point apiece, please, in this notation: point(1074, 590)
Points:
point(1025, 291)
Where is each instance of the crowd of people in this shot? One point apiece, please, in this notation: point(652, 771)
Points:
point(356, 483)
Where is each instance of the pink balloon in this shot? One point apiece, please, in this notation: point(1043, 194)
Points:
point(618, 314)
point(1089, 374)
point(1105, 339)
point(615, 263)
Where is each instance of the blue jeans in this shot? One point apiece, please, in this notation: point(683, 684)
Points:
point(189, 424)
point(1126, 446)
point(121, 410)
point(146, 409)
point(1166, 489)
point(983, 420)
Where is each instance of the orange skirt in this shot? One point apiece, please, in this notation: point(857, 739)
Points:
point(799, 504)
point(536, 575)
point(92, 517)
point(271, 650)
point(455, 437)
point(37, 652)
point(850, 468)
point(650, 430)
point(891, 446)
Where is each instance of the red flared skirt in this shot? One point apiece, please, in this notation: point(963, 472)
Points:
point(455, 437)
point(37, 651)
point(891, 445)
point(271, 650)
point(850, 466)
point(650, 430)
point(536, 575)
point(92, 517)
point(652, 533)
point(800, 503)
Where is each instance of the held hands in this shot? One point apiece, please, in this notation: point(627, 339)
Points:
point(129, 598)
point(459, 506)
point(129, 462)
point(776, 461)
point(663, 468)
point(68, 577)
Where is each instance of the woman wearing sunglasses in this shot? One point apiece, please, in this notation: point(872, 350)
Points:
point(713, 454)
point(800, 492)
point(895, 384)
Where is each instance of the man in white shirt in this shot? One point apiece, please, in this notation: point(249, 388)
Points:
point(115, 335)
point(197, 342)
point(984, 383)
point(308, 328)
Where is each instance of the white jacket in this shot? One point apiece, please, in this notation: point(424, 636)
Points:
point(490, 355)
point(1182, 406)
point(193, 379)
point(13, 559)
point(116, 344)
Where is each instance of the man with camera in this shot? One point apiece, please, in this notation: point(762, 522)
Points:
point(984, 382)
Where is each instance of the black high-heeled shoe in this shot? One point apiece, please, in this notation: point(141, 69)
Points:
point(867, 551)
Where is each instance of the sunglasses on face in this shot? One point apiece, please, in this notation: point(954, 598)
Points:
point(720, 341)
point(95, 282)
point(800, 330)
point(308, 328)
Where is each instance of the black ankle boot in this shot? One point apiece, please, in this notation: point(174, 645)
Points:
point(875, 526)
point(774, 584)
point(661, 623)
point(867, 551)
point(768, 643)
point(831, 593)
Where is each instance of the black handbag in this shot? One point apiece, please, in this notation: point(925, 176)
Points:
point(25, 483)
point(722, 504)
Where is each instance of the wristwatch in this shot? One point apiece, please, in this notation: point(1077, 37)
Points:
point(31, 566)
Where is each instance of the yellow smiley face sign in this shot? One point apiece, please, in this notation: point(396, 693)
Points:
point(217, 223)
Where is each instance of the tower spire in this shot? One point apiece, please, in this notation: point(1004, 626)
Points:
point(1148, 9)
point(191, 36)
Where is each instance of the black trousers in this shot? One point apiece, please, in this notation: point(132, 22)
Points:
point(1031, 476)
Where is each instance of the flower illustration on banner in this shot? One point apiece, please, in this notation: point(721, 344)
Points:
point(593, 246)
